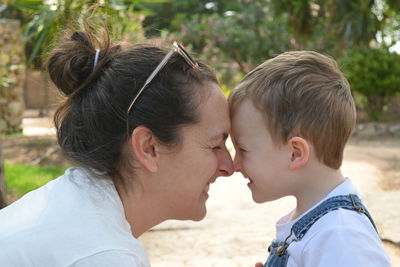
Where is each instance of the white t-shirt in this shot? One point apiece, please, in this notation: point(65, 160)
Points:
point(339, 238)
point(74, 220)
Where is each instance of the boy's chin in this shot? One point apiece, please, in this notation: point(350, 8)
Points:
point(258, 199)
point(262, 199)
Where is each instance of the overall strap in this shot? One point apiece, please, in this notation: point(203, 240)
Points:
point(350, 202)
point(278, 250)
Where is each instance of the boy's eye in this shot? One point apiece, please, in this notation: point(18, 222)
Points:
point(242, 150)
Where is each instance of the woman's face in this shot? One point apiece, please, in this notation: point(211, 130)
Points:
point(201, 158)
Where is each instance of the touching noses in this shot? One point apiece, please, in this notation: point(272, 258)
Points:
point(225, 164)
point(236, 163)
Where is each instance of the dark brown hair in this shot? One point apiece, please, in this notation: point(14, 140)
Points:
point(302, 93)
point(91, 123)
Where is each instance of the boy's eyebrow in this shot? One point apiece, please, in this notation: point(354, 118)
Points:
point(236, 142)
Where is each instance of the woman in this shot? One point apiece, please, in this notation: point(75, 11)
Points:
point(147, 128)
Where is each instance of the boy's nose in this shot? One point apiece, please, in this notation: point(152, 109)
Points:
point(236, 163)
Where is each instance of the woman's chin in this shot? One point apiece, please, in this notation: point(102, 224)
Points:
point(199, 214)
point(192, 214)
point(199, 217)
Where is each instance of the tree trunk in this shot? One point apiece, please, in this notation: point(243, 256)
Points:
point(3, 198)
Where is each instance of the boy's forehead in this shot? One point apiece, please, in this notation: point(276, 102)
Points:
point(245, 110)
point(246, 118)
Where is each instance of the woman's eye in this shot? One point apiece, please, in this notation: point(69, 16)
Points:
point(216, 148)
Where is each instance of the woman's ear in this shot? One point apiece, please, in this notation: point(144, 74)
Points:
point(144, 145)
point(300, 152)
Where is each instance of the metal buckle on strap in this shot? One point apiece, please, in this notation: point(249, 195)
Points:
point(359, 209)
point(281, 249)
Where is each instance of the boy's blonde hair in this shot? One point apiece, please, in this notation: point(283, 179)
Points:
point(302, 93)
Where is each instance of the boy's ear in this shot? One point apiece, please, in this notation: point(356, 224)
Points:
point(144, 145)
point(300, 152)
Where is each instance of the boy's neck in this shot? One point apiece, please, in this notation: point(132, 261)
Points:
point(315, 187)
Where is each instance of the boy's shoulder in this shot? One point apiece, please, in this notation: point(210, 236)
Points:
point(343, 237)
point(342, 220)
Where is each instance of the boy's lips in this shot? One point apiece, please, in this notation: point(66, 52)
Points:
point(247, 177)
point(250, 181)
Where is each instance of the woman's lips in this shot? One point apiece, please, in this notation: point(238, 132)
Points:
point(206, 189)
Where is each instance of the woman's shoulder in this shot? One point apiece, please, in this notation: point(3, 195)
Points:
point(72, 217)
point(122, 258)
point(76, 196)
point(27, 209)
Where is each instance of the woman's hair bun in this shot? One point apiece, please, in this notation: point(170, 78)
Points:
point(72, 62)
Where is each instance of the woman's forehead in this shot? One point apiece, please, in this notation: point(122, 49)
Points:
point(214, 114)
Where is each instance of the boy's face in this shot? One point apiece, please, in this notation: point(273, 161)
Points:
point(257, 158)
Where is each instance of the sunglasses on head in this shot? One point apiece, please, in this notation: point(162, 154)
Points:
point(176, 47)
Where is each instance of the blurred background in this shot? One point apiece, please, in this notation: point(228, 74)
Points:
point(232, 36)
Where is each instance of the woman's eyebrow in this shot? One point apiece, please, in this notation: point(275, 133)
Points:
point(220, 136)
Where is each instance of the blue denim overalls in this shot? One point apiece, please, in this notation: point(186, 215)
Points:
point(278, 256)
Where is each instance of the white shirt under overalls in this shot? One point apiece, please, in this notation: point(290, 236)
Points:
point(340, 238)
point(73, 220)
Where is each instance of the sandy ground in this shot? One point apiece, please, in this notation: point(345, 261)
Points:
point(236, 231)
point(33, 125)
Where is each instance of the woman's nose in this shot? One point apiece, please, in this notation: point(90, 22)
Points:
point(225, 164)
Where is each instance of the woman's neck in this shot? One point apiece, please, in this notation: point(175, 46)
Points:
point(141, 211)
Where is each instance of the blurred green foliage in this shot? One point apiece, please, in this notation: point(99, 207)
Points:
point(246, 38)
point(351, 22)
point(22, 178)
point(46, 21)
point(171, 14)
point(233, 36)
point(255, 30)
point(375, 74)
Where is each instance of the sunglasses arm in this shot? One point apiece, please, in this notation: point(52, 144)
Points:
point(152, 75)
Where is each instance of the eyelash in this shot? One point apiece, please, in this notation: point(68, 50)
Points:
point(216, 148)
point(241, 150)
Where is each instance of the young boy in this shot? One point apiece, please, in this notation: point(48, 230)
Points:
point(291, 118)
